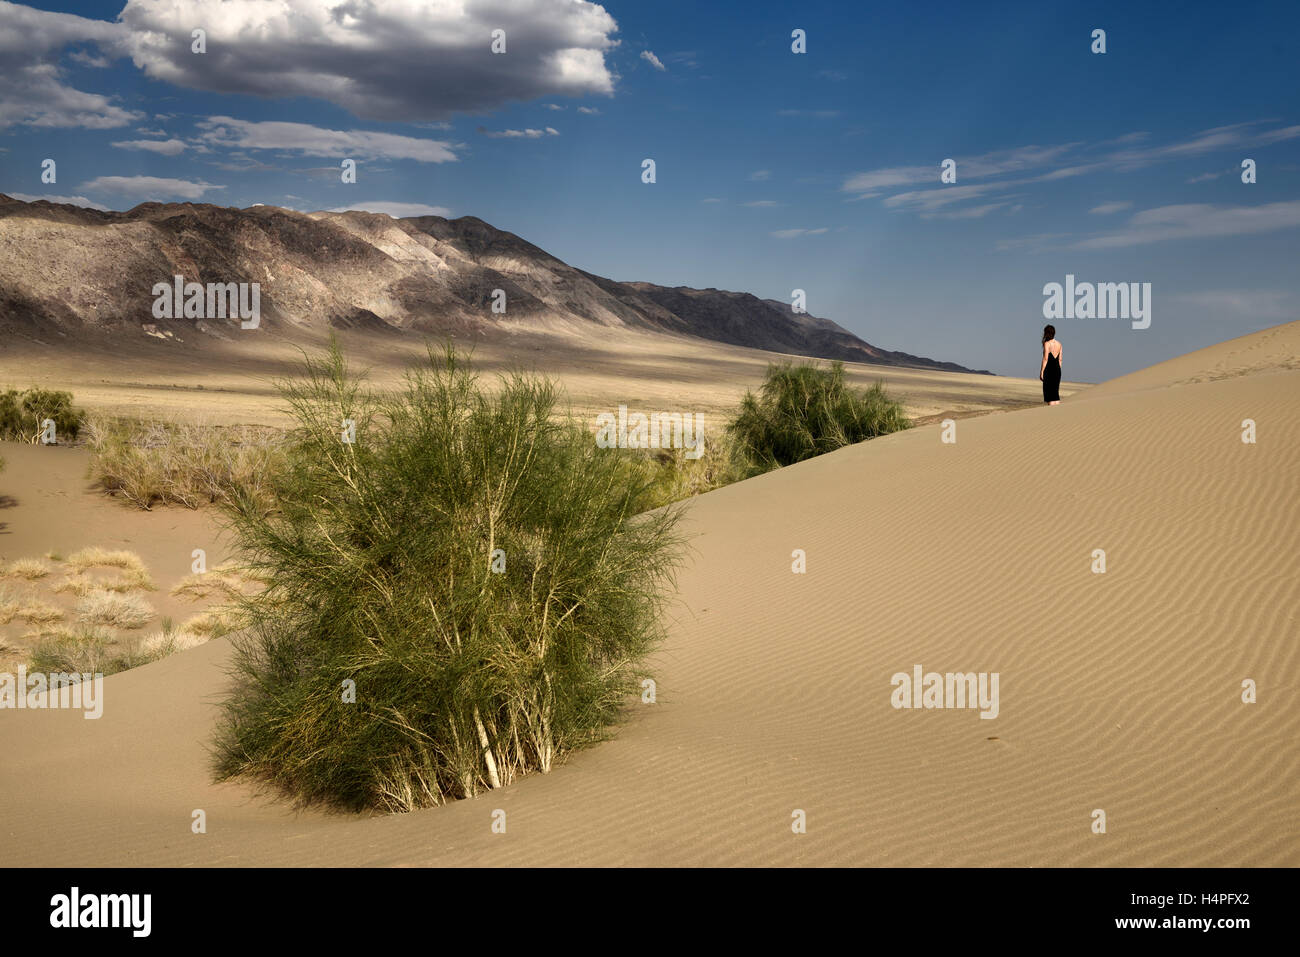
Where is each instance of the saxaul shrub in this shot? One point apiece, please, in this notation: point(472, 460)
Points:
point(807, 409)
point(459, 590)
point(23, 414)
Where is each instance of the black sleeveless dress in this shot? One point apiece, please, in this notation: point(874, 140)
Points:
point(1052, 379)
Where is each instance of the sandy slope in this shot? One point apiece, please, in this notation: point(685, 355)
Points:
point(1276, 349)
point(1118, 691)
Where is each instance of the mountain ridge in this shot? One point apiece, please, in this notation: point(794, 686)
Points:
point(75, 271)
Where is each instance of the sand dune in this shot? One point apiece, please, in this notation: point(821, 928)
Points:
point(1118, 691)
point(1270, 350)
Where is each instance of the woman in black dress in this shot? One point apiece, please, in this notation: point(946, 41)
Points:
point(1050, 371)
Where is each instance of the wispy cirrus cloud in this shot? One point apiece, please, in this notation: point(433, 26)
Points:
point(396, 210)
point(653, 60)
point(1003, 170)
point(987, 165)
point(1035, 242)
point(528, 134)
point(1106, 209)
point(929, 200)
point(68, 200)
point(1197, 221)
point(796, 233)
point(1248, 303)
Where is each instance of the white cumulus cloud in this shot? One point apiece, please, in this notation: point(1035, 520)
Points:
point(165, 147)
point(400, 60)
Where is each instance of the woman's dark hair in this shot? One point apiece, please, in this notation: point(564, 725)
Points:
point(1049, 333)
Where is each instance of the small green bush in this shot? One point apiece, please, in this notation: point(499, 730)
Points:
point(806, 410)
point(85, 650)
point(22, 414)
point(675, 476)
point(470, 665)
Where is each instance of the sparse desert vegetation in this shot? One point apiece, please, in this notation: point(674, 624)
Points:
point(179, 462)
point(84, 650)
point(91, 622)
point(801, 410)
point(23, 414)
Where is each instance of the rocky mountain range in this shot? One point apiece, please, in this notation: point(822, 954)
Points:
point(68, 272)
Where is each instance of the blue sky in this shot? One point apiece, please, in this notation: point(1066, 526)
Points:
point(774, 170)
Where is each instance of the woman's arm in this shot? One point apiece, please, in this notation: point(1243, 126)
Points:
point(1043, 368)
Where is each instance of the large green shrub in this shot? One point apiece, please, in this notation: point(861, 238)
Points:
point(470, 665)
point(806, 410)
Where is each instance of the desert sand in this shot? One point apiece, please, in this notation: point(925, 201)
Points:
point(1119, 691)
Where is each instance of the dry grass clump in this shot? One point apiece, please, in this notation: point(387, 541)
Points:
point(9, 606)
point(96, 557)
point(109, 609)
point(212, 623)
point(181, 463)
point(81, 585)
point(134, 575)
point(30, 569)
point(37, 613)
point(224, 581)
point(169, 641)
